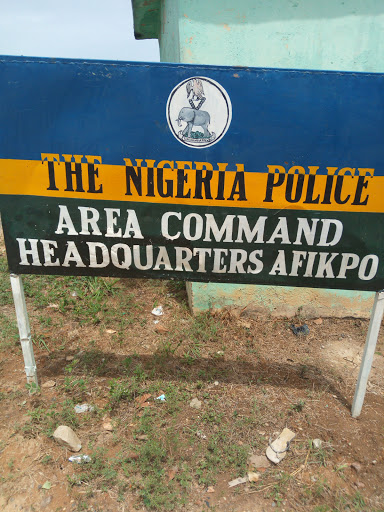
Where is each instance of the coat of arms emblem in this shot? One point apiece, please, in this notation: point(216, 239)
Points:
point(199, 112)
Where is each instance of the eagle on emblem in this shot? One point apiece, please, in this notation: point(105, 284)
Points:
point(195, 92)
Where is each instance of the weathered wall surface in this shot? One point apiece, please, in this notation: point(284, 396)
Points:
point(301, 34)
point(279, 300)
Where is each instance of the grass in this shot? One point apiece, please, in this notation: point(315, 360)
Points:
point(9, 334)
point(163, 457)
point(44, 420)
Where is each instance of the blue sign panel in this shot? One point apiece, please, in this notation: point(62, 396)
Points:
point(232, 174)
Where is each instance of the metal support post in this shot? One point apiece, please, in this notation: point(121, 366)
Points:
point(24, 328)
point(369, 351)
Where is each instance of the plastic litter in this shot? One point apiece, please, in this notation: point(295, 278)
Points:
point(277, 449)
point(80, 408)
point(161, 398)
point(158, 311)
point(80, 459)
point(301, 329)
point(238, 481)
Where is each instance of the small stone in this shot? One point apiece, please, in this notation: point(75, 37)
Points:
point(318, 321)
point(259, 461)
point(317, 443)
point(132, 456)
point(161, 329)
point(67, 437)
point(360, 485)
point(216, 383)
point(210, 489)
point(195, 404)
point(143, 437)
point(45, 501)
point(49, 384)
point(253, 477)
point(69, 358)
point(356, 466)
point(107, 425)
point(374, 462)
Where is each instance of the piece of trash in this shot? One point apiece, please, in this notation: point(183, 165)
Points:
point(80, 459)
point(210, 489)
point(172, 473)
point(201, 435)
point(156, 321)
point(142, 400)
point(277, 450)
point(158, 311)
point(253, 477)
point(318, 321)
point(46, 485)
point(302, 329)
point(258, 461)
point(161, 398)
point(49, 384)
point(238, 481)
point(69, 358)
point(220, 352)
point(143, 437)
point(80, 408)
point(74, 294)
point(160, 328)
point(195, 404)
point(53, 306)
point(316, 443)
point(216, 383)
point(111, 331)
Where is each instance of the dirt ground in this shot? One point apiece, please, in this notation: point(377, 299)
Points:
point(97, 341)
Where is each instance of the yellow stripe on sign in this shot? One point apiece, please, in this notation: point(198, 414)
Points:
point(192, 183)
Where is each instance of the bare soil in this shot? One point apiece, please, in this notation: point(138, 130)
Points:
point(253, 377)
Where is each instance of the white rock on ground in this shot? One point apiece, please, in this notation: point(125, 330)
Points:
point(67, 437)
point(195, 404)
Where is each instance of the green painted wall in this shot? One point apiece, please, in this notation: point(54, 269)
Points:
point(302, 34)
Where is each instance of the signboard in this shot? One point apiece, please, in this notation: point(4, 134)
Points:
point(241, 175)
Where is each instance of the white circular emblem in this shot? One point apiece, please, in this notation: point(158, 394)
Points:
point(199, 112)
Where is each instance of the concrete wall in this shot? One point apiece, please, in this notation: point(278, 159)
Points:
point(303, 34)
